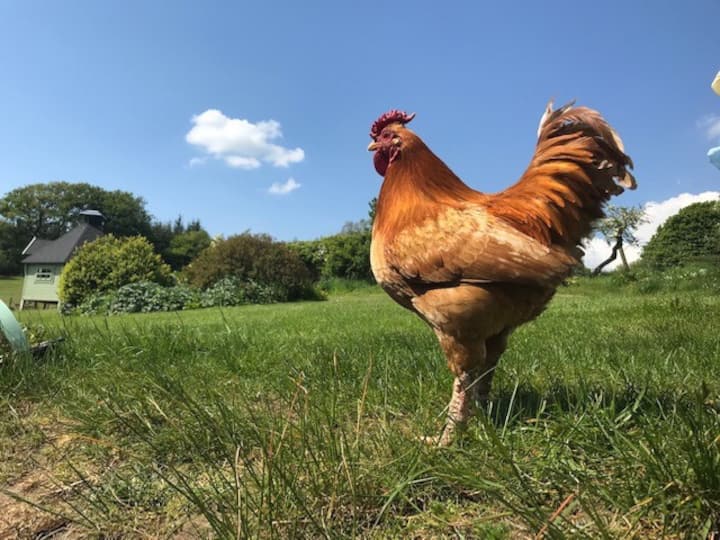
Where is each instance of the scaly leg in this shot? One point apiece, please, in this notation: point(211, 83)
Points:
point(472, 388)
point(459, 408)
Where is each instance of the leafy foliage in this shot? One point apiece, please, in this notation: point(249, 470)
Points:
point(348, 256)
point(252, 258)
point(11, 245)
point(621, 221)
point(109, 263)
point(230, 291)
point(178, 243)
point(343, 256)
point(312, 254)
point(618, 227)
point(48, 210)
point(147, 296)
point(185, 246)
point(691, 234)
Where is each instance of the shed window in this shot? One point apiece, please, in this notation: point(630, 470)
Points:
point(44, 275)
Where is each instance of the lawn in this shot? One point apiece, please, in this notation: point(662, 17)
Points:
point(11, 289)
point(304, 420)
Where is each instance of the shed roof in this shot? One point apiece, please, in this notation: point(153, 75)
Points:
point(34, 245)
point(59, 251)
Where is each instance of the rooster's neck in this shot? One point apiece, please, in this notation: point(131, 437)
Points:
point(417, 186)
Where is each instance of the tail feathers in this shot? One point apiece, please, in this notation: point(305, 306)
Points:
point(579, 163)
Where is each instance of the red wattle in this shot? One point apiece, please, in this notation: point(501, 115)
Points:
point(381, 162)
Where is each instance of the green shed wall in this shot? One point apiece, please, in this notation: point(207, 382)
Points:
point(41, 289)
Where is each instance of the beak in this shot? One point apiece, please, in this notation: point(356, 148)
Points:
point(373, 146)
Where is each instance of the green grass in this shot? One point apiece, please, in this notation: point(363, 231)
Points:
point(11, 289)
point(303, 420)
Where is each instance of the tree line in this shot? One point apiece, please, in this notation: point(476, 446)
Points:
point(48, 210)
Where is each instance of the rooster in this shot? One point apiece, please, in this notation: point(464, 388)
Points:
point(475, 266)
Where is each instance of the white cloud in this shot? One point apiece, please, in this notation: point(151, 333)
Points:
point(710, 124)
point(241, 162)
point(597, 250)
point(283, 189)
point(239, 142)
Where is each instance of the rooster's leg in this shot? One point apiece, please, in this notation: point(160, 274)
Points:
point(459, 408)
point(494, 347)
point(471, 388)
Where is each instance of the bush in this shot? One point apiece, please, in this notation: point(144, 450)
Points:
point(140, 297)
point(147, 296)
point(312, 254)
point(109, 263)
point(690, 235)
point(230, 291)
point(343, 256)
point(253, 259)
point(348, 256)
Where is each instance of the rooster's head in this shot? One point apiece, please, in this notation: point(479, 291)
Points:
point(387, 134)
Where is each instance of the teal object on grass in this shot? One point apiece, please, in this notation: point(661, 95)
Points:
point(12, 329)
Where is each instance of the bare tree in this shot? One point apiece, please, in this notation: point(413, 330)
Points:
point(619, 226)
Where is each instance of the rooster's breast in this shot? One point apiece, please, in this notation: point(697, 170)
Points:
point(388, 277)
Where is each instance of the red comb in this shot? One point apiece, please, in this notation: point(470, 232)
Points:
point(389, 117)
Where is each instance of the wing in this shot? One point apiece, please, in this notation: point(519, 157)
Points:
point(470, 245)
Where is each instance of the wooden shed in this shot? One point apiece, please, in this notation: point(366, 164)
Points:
point(45, 259)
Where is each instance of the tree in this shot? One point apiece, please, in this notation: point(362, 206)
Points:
point(10, 246)
point(353, 227)
point(373, 210)
point(185, 246)
point(692, 233)
point(178, 243)
point(618, 226)
point(51, 209)
point(107, 264)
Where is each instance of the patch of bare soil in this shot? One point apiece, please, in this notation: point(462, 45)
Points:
point(21, 520)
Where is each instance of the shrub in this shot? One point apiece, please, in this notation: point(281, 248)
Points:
point(147, 296)
point(252, 259)
point(184, 247)
point(348, 256)
point(109, 263)
point(691, 234)
point(230, 291)
point(312, 254)
point(343, 256)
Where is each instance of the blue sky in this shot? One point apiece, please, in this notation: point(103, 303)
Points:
point(108, 93)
